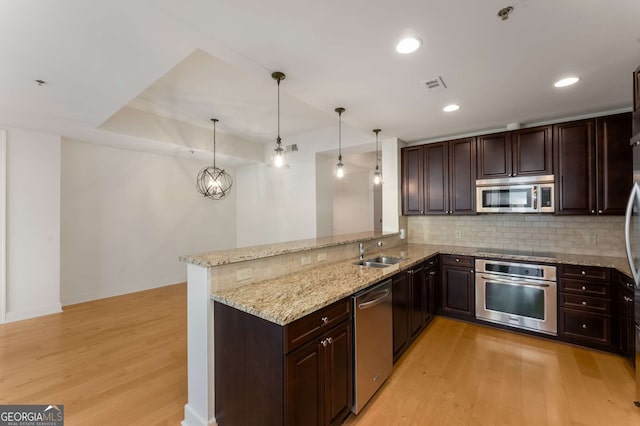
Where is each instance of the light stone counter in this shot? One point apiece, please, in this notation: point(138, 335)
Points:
point(242, 254)
point(285, 299)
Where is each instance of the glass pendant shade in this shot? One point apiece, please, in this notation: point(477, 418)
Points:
point(278, 158)
point(377, 174)
point(340, 165)
point(212, 182)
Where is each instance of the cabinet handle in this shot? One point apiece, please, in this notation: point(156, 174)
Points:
point(628, 299)
point(457, 260)
point(325, 320)
point(629, 285)
point(324, 343)
point(515, 174)
point(584, 303)
point(432, 273)
point(422, 211)
point(329, 340)
point(584, 288)
point(584, 273)
point(593, 212)
point(584, 325)
point(599, 211)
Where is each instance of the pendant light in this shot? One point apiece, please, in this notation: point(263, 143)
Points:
point(340, 165)
point(278, 156)
point(212, 182)
point(377, 175)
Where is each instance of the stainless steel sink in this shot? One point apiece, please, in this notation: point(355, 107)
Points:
point(387, 260)
point(379, 262)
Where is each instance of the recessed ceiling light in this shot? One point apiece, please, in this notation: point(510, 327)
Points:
point(566, 82)
point(451, 108)
point(408, 45)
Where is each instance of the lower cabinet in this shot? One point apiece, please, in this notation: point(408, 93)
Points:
point(584, 306)
point(318, 380)
point(625, 321)
point(298, 374)
point(457, 286)
point(413, 303)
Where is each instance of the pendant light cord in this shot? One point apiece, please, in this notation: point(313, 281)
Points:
point(278, 140)
point(215, 120)
point(340, 136)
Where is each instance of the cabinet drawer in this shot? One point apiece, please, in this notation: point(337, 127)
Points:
point(452, 260)
point(586, 288)
point(591, 273)
point(585, 303)
point(585, 326)
point(300, 331)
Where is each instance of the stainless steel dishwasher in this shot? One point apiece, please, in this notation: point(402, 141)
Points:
point(373, 341)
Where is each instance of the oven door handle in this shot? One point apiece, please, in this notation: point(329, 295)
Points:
point(516, 281)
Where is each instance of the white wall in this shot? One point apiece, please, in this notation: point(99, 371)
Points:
point(280, 204)
point(33, 224)
point(353, 202)
point(324, 195)
point(127, 216)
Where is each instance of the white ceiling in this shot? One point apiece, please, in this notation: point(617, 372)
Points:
point(189, 60)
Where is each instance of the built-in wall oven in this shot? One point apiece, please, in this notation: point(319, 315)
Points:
point(518, 295)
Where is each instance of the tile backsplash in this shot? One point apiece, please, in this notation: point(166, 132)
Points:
point(588, 235)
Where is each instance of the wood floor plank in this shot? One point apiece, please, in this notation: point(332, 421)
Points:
point(478, 375)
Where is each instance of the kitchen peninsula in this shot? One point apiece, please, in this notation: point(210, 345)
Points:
point(285, 282)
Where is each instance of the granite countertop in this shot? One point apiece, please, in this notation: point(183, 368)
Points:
point(285, 299)
point(224, 257)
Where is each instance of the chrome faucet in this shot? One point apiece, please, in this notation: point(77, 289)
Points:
point(363, 250)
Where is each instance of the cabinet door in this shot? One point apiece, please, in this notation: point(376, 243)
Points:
point(338, 374)
point(401, 312)
point(462, 176)
point(457, 295)
point(615, 163)
point(413, 180)
point(494, 156)
point(575, 160)
point(304, 385)
point(418, 300)
point(532, 152)
point(431, 281)
point(436, 197)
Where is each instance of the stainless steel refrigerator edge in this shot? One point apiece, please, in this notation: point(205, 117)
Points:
point(632, 240)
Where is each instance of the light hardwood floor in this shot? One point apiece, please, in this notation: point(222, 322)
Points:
point(116, 361)
point(463, 374)
point(122, 361)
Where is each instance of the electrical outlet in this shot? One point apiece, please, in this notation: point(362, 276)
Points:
point(458, 234)
point(305, 260)
point(322, 257)
point(243, 274)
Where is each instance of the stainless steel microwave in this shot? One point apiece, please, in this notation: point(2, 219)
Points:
point(533, 194)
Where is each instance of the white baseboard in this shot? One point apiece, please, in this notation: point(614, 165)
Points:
point(111, 292)
point(32, 313)
point(193, 419)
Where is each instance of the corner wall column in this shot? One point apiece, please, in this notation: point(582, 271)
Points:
point(200, 408)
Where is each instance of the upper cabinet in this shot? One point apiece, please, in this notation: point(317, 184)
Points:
point(439, 178)
point(526, 152)
point(593, 165)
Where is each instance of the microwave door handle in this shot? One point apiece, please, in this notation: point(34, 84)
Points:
point(627, 232)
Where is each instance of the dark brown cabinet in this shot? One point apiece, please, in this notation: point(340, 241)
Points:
point(413, 303)
point(318, 380)
point(594, 165)
point(439, 178)
point(625, 321)
point(526, 152)
point(302, 374)
point(584, 306)
point(457, 286)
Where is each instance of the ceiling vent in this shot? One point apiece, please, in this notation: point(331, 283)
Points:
point(434, 84)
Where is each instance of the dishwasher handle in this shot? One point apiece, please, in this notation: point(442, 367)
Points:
point(379, 298)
